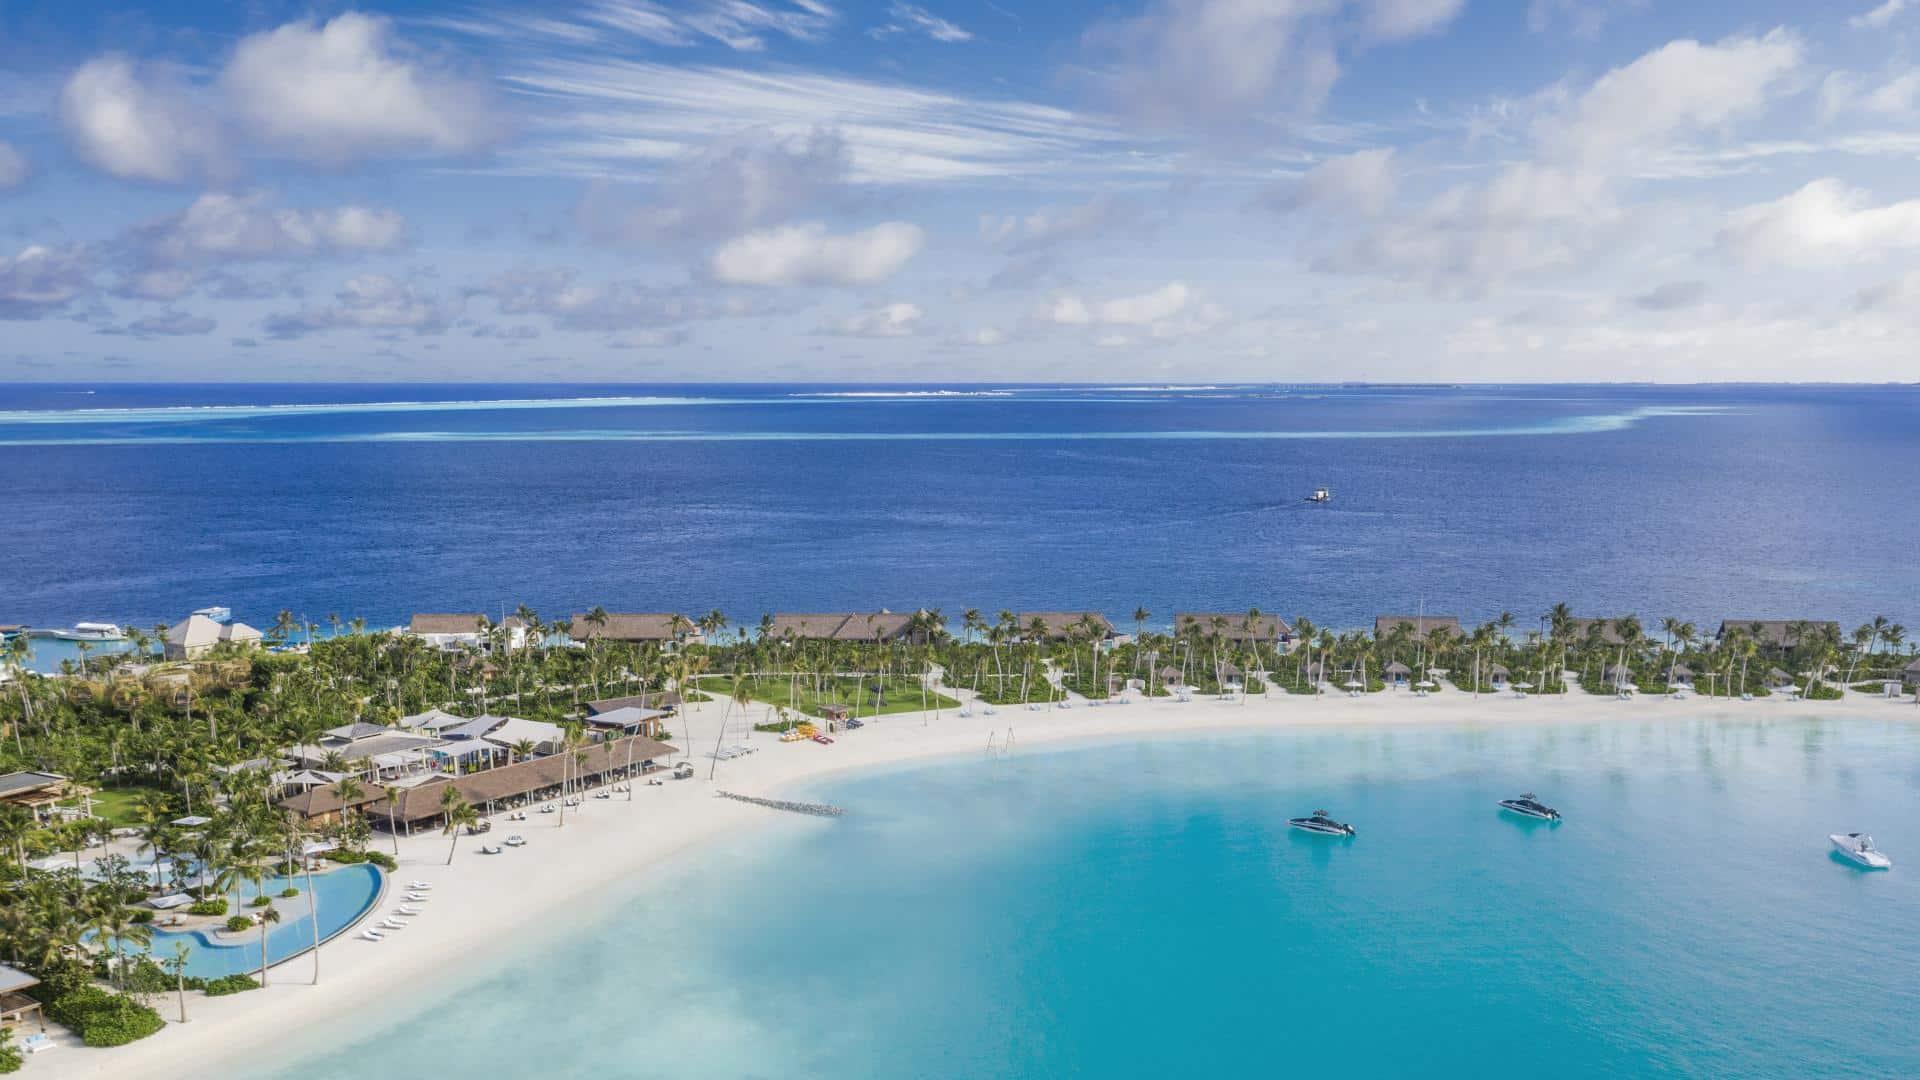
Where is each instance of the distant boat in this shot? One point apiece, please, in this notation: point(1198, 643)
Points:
point(217, 614)
point(1858, 848)
point(1320, 495)
point(1322, 824)
point(89, 631)
point(1528, 806)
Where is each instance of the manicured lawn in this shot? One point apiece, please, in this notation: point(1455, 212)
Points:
point(116, 805)
point(903, 695)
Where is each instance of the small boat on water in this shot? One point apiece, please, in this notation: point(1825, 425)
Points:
point(1857, 848)
point(1529, 806)
point(1320, 495)
point(217, 613)
point(1321, 824)
point(89, 631)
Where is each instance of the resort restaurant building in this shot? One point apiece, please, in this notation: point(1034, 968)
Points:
point(460, 629)
point(641, 628)
point(33, 791)
point(1063, 625)
point(198, 635)
point(1419, 625)
point(1236, 627)
point(519, 784)
point(1777, 633)
point(860, 627)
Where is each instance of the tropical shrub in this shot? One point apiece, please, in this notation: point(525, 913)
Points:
point(289, 891)
point(383, 860)
point(215, 906)
point(228, 984)
point(102, 1018)
point(237, 923)
point(141, 915)
point(260, 901)
point(9, 1054)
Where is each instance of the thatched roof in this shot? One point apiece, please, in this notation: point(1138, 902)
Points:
point(1061, 624)
point(508, 781)
point(1422, 624)
point(1776, 632)
point(630, 627)
point(1265, 628)
point(314, 802)
point(1398, 668)
point(871, 626)
point(1609, 629)
point(461, 623)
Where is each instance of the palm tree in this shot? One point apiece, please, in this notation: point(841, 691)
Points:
point(268, 915)
point(458, 812)
point(176, 964)
point(16, 824)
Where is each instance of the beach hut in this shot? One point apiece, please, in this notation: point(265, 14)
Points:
point(835, 716)
point(1397, 673)
point(1911, 673)
point(1169, 676)
point(1499, 676)
point(1778, 679)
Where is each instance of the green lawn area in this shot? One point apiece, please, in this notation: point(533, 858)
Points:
point(116, 805)
point(903, 695)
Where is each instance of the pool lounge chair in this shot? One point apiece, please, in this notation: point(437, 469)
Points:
point(405, 910)
point(417, 885)
point(370, 934)
point(392, 924)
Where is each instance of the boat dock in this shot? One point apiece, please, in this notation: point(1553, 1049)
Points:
point(812, 809)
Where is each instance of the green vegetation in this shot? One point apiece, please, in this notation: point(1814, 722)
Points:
point(237, 923)
point(9, 1053)
point(216, 905)
point(872, 695)
point(103, 1018)
point(119, 807)
point(289, 892)
point(224, 985)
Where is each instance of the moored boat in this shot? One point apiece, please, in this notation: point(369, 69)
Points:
point(1857, 848)
point(89, 631)
point(1529, 806)
point(1319, 823)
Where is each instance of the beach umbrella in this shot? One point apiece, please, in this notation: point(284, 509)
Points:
point(1353, 684)
point(1426, 684)
point(1523, 686)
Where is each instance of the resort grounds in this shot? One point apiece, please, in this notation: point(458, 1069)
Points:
point(483, 904)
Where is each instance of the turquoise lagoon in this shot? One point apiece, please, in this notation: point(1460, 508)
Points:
point(1141, 910)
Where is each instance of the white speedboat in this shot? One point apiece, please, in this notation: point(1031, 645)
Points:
point(1529, 806)
point(1322, 824)
point(1320, 495)
point(1857, 848)
point(90, 631)
point(217, 613)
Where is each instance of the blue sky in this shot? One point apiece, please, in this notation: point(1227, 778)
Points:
point(961, 191)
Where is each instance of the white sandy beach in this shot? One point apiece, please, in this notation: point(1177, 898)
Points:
point(489, 898)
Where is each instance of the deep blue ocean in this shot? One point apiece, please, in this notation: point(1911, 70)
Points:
point(1143, 911)
point(139, 503)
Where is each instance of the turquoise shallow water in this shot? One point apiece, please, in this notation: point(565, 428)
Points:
point(1142, 910)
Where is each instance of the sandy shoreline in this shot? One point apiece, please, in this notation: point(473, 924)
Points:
point(487, 899)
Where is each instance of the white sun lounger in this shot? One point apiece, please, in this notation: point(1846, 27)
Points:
point(405, 910)
point(371, 934)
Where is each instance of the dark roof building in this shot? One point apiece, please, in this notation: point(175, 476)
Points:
point(857, 626)
point(1609, 630)
point(422, 803)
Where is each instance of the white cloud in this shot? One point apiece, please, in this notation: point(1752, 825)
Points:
point(913, 19)
point(1671, 296)
point(984, 337)
point(1900, 296)
point(1679, 89)
point(42, 280)
point(887, 320)
point(171, 324)
point(1170, 312)
point(347, 89)
point(1824, 222)
point(223, 227)
point(1363, 182)
point(1844, 92)
point(742, 25)
point(1214, 63)
point(723, 189)
point(810, 255)
point(1879, 16)
point(657, 338)
point(1053, 227)
point(369, 302)
point(571, 303)
point(14, 169)
point(605, 118)
point(137, 125)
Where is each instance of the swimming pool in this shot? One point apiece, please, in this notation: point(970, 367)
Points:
point(344, 896)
